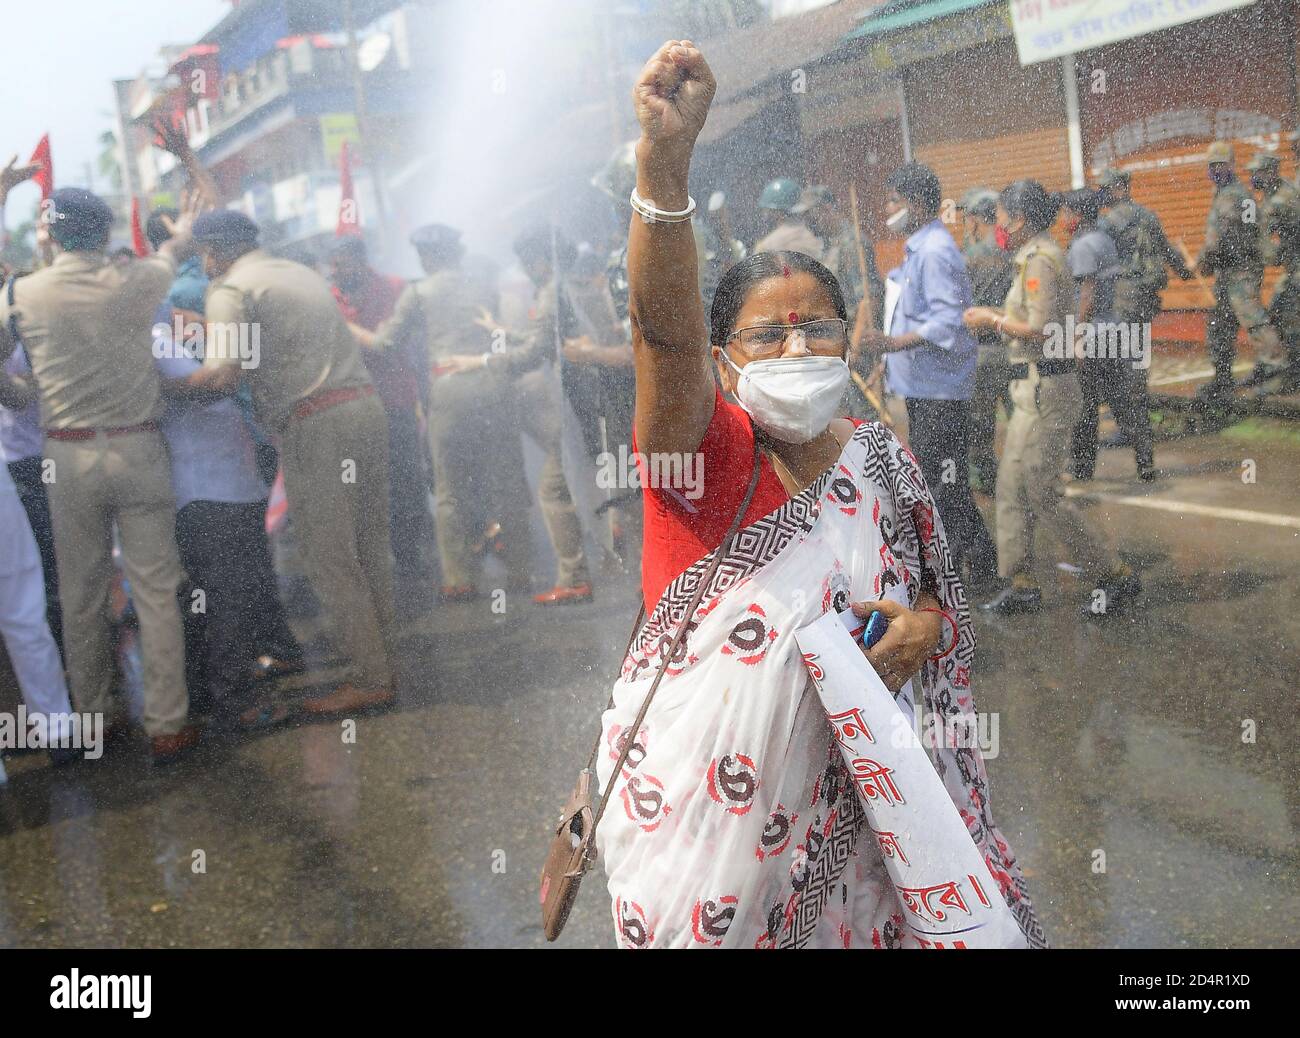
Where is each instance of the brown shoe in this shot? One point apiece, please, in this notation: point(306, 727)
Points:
point(348, 699)
point(564, 595)
point(167, 748)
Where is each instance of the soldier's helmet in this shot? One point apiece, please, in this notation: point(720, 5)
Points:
point(781, 194)
point(1219, 151)
point(1263, 160)
point(617, 177)
point(810, 198)
point(981, 202)
point(1110, 177)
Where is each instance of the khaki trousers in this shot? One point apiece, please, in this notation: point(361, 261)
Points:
point(540, 406)
point(336, 479)
point(1029, 479)
point(126, 480)
point(478, 475)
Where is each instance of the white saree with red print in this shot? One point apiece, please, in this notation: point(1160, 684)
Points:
point(736, 821)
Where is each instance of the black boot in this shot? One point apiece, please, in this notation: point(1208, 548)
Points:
point(1012, 600)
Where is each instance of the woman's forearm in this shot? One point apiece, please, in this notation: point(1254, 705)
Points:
point(662, 263)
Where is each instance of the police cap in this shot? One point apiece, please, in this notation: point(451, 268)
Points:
point(225, 227)
point(78, 218)
point(435, 237)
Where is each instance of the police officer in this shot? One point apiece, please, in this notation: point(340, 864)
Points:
point(989, 267)
point(85, 324)
point(275, 324)
point(477, 467)
point(1232, 253)
point(1280, 246)
point(1046, 397)
point(788, 231)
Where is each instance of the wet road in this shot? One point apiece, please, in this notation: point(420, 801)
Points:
point(1122, 779)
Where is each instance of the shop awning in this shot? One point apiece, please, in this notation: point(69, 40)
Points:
point(899, 14)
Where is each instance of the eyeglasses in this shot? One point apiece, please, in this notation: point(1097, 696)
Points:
point(830, 335)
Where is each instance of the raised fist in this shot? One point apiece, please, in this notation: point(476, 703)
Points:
point(673, 93)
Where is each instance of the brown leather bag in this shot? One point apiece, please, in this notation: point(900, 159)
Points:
point(573, 850)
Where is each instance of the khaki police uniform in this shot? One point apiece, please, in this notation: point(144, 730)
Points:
point(478, 469)
point(1046, 402)
point(990, 274)
point(540, 406)
point(309, 383)
point(86, 325)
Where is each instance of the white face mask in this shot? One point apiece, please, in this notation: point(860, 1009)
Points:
point(791, 398)
point(898, 221)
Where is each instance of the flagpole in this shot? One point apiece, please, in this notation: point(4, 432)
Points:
point(359, 94)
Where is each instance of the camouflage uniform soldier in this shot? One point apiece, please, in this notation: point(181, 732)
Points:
point(1145, 256)
point(1144, 251)
point(1232, 254)
point(1280, 246)
point(990, 274)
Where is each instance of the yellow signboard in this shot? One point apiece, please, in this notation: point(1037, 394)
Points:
point(335, 129)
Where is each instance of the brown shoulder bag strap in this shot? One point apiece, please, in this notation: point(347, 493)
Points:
point(700, 588)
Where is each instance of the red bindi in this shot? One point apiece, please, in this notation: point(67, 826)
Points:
point(794, 317)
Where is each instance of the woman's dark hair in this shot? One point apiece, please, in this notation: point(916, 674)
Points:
point(1028, 198)
point(1085, 201)
point(548, 244)
point(740, 280)
point(916, 182)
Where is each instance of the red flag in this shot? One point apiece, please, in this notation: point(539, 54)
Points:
point(45, 175)
point(349, 218)
point(138, 240)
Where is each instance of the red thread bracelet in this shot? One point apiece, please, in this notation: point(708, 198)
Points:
point(938, 656)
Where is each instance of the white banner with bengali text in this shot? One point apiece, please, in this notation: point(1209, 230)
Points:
point(1050, 28)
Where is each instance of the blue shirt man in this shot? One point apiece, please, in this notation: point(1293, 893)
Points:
point(929, 358)
point(933, 290)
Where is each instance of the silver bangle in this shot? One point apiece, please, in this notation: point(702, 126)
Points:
point(651, 214)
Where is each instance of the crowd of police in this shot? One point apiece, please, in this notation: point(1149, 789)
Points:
point(150, 404)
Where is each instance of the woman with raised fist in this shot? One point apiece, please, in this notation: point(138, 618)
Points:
point(733, 819)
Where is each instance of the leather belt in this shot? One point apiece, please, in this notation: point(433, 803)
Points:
point(1046, 369)
point(330, 398)
point(90, 434)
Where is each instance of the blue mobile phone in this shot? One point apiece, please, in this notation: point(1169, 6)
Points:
point(876, 627)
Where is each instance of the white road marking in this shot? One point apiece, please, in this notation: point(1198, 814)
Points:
point(1199, 375)
point(1161, 504)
